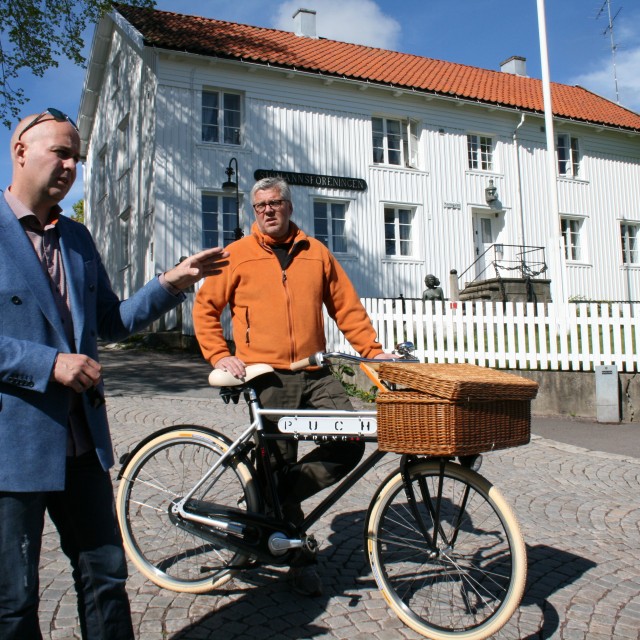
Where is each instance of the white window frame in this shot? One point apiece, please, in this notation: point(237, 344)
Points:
point(480, 152)
point(573, 238)
point(225, 219)
point(335, 238)
point(406, 138)
point(630, 243)
point(568, 155)
point(394, 229)
point(217, 118)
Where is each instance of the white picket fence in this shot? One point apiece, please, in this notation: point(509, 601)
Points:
point(513, 335)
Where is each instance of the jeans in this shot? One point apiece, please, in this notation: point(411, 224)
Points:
point(84, 515)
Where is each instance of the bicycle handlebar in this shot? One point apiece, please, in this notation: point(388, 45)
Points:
point(318, 359)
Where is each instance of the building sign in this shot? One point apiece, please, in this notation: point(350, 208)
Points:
point(313, 180)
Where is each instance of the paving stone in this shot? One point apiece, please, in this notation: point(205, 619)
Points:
point(577, 510)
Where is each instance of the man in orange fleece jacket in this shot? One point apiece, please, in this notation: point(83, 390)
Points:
point(276, 281)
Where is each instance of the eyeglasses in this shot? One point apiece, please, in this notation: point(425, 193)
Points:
point(261, 207)
point(56, 114)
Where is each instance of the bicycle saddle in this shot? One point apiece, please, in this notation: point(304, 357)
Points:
point(220, 378)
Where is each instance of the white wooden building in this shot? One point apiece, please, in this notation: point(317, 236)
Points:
point(390, 156)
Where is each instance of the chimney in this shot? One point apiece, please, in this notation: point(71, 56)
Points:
point(517, 65)
point(305, 23)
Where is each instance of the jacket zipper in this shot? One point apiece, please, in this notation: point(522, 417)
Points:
point(292, 346)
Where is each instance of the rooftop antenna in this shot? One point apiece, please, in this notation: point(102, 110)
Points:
point(614, 46)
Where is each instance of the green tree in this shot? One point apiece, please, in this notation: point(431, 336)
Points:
point(78, 211)
point(36, 34)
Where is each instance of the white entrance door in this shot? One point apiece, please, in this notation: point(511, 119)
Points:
point(484, 235)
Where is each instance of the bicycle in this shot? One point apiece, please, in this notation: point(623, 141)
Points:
point(442, 543)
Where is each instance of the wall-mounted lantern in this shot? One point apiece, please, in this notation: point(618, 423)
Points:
point(232, 185)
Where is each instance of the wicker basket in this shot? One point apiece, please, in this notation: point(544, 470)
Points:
point(467, 382)
point(411, 422)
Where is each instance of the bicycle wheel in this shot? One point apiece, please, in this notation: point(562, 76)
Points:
point(469, 584)
point(158, 474)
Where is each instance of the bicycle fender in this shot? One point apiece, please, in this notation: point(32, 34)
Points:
point(125, 457)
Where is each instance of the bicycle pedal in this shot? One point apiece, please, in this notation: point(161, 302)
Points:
point(311, 544)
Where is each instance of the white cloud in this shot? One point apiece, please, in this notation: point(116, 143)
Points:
point(357, 21)
point(602, 79)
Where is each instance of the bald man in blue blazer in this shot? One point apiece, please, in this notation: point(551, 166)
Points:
point(55, 448)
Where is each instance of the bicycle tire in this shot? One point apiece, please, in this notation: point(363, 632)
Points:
point(161, 471)
point(471, 588)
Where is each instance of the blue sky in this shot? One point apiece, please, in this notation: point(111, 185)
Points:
point(481, 34)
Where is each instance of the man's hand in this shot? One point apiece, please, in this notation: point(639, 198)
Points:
point(233, 365)
point(194, 268)
point(386, 356)
point(77, 371)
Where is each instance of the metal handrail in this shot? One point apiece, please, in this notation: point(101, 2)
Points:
point(527, 268)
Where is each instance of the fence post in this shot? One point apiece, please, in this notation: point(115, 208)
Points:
point(454, 289)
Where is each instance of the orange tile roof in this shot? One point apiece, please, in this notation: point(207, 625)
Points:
point(208, 37)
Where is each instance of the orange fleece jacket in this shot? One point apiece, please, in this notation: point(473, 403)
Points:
point(277, 314)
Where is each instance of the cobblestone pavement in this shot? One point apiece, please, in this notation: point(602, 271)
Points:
point(578, 510)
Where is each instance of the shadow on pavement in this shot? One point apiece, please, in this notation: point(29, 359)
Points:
point(549, 571)
point(265, 597)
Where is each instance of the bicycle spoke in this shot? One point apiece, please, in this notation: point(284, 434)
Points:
point(162, 547)
point(463, 582)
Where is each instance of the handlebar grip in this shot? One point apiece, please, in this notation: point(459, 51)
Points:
point(305, 362)
point(301, 364)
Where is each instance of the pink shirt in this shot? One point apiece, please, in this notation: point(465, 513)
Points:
point(46, 244)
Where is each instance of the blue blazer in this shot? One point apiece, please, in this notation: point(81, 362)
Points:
point(33, 409)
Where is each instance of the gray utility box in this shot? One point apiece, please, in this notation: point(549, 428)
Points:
point(607, 394)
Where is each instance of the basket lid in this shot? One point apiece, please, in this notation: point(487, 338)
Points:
point(459, 381)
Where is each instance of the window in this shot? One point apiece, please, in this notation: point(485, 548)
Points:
point(568, 155)
point(123, 165)
point(101, 182)
point(330, 224)
point(221, 117)
point(123, 147)
point(629, 238)
point(116, 72)
point(395, 142)
point(218, 220)
point(397, 231)
point(125, 240)
point(571, 236)
point(480, 152)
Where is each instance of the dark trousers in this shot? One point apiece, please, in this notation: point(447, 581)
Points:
point(326, 463)
point(84, 515)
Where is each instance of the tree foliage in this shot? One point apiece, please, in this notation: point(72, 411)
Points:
point(36, 34)
point(78, 211)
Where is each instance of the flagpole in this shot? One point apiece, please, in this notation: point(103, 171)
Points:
point(551, 147)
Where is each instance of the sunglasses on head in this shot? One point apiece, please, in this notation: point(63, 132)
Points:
point(56, 114)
